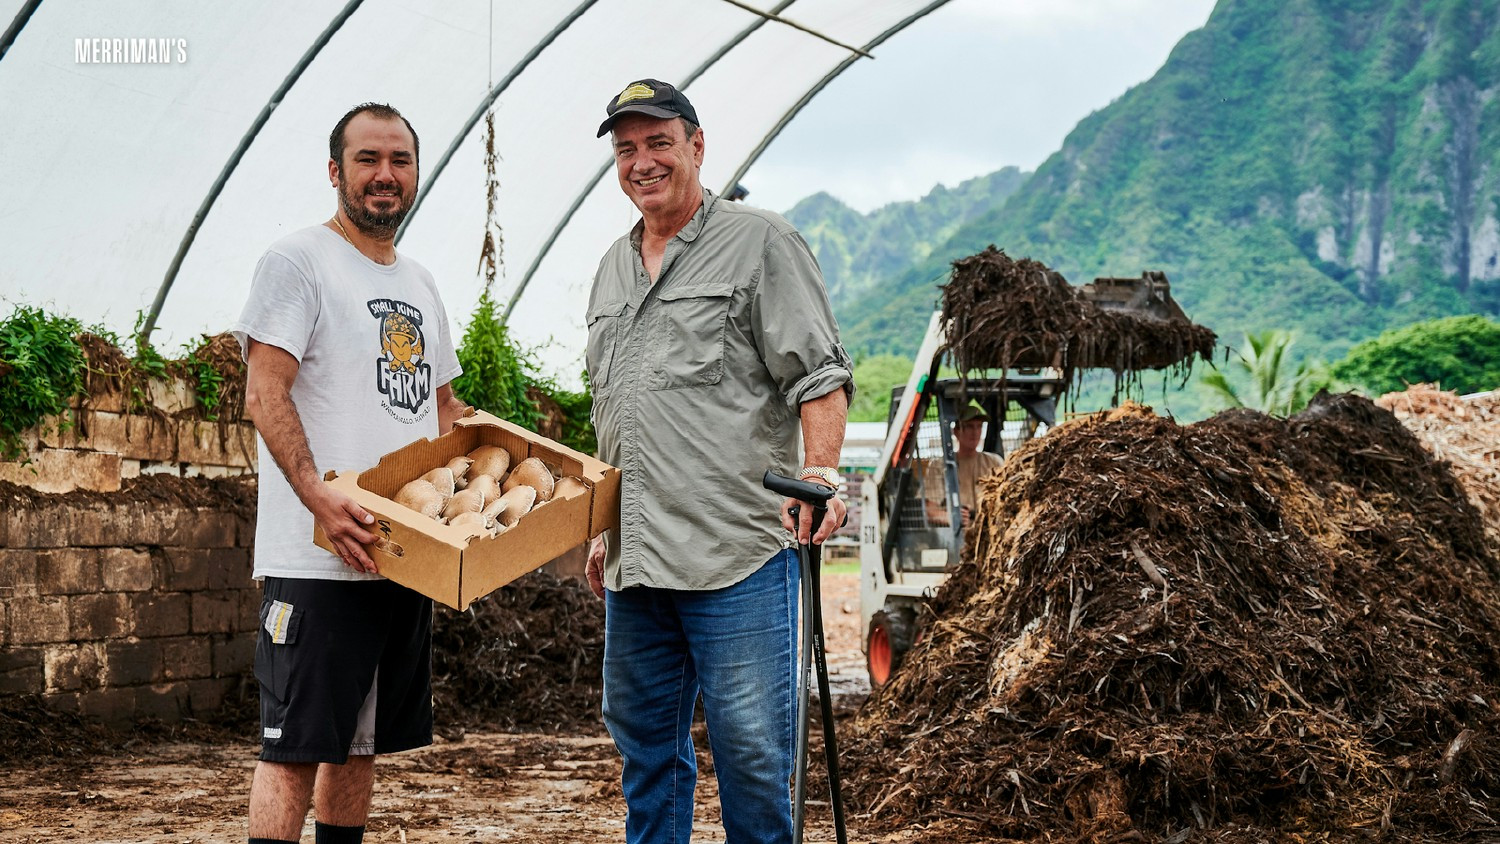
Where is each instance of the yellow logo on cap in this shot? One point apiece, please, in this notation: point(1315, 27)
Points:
point(635, 92)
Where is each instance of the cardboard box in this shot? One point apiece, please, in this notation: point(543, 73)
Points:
point(448, 563)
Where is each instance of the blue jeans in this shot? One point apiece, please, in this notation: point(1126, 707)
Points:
point(736, 645)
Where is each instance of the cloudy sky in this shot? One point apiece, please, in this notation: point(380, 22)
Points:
point(1012, 78)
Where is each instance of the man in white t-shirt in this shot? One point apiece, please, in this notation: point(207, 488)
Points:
point(350, 357)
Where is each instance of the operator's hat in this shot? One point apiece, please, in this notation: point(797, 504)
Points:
point(973, 410)
point(648, 96)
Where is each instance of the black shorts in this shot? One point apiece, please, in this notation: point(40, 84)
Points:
point(345, 668)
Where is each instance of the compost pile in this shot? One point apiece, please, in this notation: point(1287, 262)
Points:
point(528, 656)
point(1003, 313)
point(214, 369)
point(31, 730)
point(1464, 433)
point(237, 494)
point(1243, 629)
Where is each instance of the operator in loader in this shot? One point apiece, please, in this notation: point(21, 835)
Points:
point(973, 464)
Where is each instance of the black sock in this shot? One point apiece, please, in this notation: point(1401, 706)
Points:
point(271, 841)
point(327, 833)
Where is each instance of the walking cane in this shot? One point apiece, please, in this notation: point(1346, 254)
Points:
point(810, 556)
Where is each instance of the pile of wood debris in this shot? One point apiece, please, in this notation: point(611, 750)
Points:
point(1463, 432)
point(528, 656)
point(1244, 629)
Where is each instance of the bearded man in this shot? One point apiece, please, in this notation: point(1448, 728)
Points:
point(350, 357)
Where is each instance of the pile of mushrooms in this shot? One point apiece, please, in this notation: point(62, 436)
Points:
point(482, 491)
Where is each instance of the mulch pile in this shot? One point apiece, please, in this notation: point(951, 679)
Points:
point(1464, 433)
point(236, 494)
point(111, 372)
point(31, 732)
point(529, 656)
point(1244, 629)
point(1005, 313)
point(553, 418)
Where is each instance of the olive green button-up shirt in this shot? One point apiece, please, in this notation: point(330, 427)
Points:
point(698, 380)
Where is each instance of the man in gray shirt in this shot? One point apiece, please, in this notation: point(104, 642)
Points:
point(711, 347)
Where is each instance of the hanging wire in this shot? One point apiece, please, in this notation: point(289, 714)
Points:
point(492, 247)
point(479, 111)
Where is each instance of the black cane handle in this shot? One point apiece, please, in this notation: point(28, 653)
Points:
point(814, 494)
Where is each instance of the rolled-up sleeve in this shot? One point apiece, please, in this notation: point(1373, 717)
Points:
point(797, 335)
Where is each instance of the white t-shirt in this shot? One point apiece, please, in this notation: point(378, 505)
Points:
point(373, 346)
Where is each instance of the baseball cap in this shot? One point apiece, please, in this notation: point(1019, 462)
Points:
point(648, 96)
point(973, 410)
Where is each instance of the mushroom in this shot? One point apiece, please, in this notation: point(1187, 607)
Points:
point(485, 485)
point(442, 479)
point(460, 466)
point(421, 496)
point(489, 460)
point(511, 506)
point(534, 473)
point(471, 519)
point(467, 501)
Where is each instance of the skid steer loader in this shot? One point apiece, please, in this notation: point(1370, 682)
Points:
point(911, 535)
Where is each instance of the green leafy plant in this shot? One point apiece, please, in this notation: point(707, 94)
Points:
point(41, 370)
point(207, 383)
point(1277, 385)
point(1458, 353)
point(214, 368)
point(496, 370)
point(146, 358)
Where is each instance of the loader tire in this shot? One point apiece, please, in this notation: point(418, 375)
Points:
point(886, 644)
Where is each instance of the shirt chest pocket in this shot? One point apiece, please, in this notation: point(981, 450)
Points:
point(693, 320)
point(604, 327)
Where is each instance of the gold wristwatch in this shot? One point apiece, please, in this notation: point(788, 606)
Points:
point(827, 474)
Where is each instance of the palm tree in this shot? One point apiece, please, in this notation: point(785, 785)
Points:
point(1275, 387)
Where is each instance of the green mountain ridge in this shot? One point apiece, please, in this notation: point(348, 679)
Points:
point(859, 251)
point(1325, 167)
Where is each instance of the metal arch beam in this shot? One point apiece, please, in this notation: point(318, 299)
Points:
point(588, 186)
point(488, 101)
point(773, 16)
point(239, 153)
point(781, 124)
point(17, 24)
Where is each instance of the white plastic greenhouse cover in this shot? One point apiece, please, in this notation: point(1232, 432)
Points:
point(110, 162)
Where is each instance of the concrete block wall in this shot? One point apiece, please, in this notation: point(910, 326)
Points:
point(98, 445)
point(125, 609)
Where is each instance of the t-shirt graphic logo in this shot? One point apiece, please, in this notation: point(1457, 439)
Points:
point(401, 372)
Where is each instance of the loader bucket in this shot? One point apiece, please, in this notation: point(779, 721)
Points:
point(1002, 313)
point(1150, 295)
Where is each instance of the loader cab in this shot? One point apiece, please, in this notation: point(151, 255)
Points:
point(907, 552)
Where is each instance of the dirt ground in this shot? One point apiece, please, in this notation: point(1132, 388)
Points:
point(475, 787)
